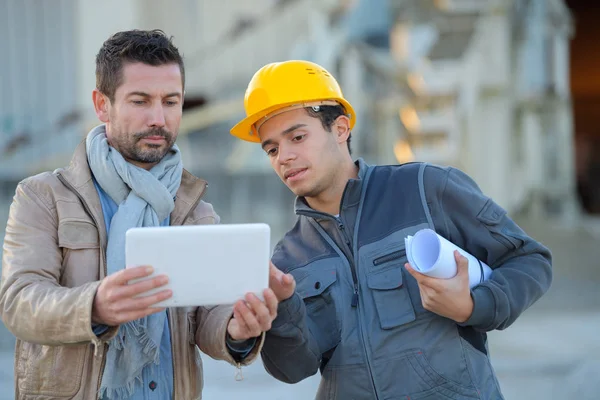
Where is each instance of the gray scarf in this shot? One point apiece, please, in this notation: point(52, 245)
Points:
point(145, 198)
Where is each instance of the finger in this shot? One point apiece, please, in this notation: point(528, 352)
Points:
point(288, 280)
point(428, 297)
point(271, 302)
point(243, 328)
point(417, 275)
point(135, 315)
point(424, 293)
point(462, 264)
point(250, 320)
point(134, 289)
point(127, 274)
point(260, 310)
point(275, 277)
point(274, 272)
point(240, 320)
point(142, 302)
point(427, 304)
point(427, 291)
point(421, 279)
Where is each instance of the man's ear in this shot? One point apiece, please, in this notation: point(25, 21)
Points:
point(341, 128)
point(101, 104)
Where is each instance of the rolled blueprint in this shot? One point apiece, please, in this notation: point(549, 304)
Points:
point(433, 255)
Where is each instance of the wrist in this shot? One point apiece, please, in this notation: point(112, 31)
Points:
point(95, 318)
point(466, 311)
point(233, 340)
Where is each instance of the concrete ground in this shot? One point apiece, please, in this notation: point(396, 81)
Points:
point(551, 352)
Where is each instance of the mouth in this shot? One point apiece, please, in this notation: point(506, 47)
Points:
point(154, 139)
point(294, 174)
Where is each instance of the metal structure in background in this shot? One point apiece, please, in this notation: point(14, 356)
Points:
point(481, 85)
point(478, 84)
point(489, 93)
point(38, 115)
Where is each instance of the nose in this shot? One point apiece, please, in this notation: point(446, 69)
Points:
point(286, 154)
point(156, 117)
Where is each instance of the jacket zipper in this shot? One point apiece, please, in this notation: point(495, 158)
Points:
point(355, 297)
point(354, 301)
point(361, 323)
point(389, 257)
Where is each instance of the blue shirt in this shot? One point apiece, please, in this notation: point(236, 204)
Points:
point(157, 380)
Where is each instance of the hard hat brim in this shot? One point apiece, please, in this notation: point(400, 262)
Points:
point(244, 129)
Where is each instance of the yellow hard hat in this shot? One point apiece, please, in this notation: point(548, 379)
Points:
point(287, 85)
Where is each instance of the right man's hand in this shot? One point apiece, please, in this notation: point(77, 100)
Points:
point(115, 304)
point(283, 285)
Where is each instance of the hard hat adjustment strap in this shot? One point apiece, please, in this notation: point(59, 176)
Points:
point(315, 105)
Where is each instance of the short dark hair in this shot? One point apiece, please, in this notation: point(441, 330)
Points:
point(328, 115)
point(148, 47)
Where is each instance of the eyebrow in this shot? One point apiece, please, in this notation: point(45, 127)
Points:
point(144, 94)
point(284, 133)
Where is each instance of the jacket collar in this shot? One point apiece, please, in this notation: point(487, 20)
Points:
point(78, 175)
point(350, 197)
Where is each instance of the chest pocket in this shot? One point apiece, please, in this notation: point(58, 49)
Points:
point(80, 244)
point(385, 279)
point(315, 284)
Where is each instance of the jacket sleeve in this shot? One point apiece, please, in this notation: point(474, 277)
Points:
point(291, 353)
point(33, 304)
point(522, 267)
point(211, 335)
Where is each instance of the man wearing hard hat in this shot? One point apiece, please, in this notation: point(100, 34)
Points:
point(375, 327)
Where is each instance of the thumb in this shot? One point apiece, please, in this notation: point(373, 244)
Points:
point(288, 281)
point(462, 264)
point(274, 273)
point(280, 277)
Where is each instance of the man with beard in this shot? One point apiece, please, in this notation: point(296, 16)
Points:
point(82, 330)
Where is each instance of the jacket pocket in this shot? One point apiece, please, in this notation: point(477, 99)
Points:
point(53, 371)
point(315, 285)
point(78, 234)
point(80, 244)
point(393, 256)
point(391, 298)
point(493, 216)
point(420, 381)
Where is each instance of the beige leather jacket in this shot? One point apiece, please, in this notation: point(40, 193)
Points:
point(54, 257)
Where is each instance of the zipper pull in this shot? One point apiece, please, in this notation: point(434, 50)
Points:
point(97, 343)
point(239, 376)
point(354, 303)
point(343, 230)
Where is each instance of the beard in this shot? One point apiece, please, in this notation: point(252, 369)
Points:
point(313, 189)
point(312, 192)
point(130, 146)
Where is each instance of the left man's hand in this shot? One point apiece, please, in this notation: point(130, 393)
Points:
point(450, 298)
point(252, 317)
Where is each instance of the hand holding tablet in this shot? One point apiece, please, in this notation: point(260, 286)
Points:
point(205, 264)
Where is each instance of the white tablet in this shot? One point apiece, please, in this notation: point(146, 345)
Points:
point(206, 264)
